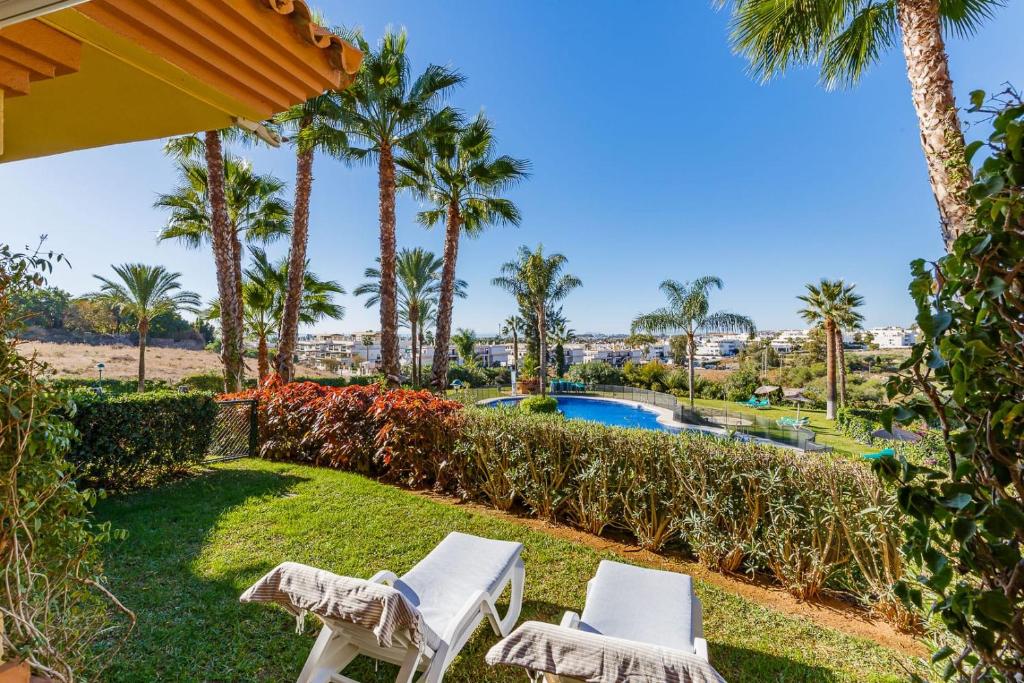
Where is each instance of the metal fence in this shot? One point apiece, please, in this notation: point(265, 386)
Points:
point(235, 432)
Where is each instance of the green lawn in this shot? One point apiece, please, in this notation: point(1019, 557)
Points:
point(824, 428)
point(194, 545)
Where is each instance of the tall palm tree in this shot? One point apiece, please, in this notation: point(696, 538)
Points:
point(689, 313)
point(825, 304)
point(845, 37)
point(463, 179)
point(510, 327)
point(847, 318)
point(208, 148)
point(311, 126)
point(537, 282)
point(255, 211)
point(145, 292)
point(464, 342)
point(264, 294)
point(387, 110)
point(418, 273)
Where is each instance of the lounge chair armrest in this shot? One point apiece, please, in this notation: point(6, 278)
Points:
point(385, 577)
point(570, 620)
point(477, 603)
point(700, 648)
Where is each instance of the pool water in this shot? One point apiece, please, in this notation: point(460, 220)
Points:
point(606, 412)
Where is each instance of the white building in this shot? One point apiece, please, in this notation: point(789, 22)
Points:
point(893, 337)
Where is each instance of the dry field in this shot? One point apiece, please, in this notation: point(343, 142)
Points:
point(122, 362)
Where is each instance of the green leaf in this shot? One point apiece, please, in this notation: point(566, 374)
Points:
point(977, 98)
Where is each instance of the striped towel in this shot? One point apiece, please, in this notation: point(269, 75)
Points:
point(300, 588)
point(583, 656)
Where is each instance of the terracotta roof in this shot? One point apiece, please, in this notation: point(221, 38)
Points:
point(345, 56)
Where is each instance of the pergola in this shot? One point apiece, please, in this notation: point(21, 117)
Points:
point(76, 74)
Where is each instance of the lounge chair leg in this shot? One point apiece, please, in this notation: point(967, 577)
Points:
point(408, 669)
point(330, 654)
point(515, 603)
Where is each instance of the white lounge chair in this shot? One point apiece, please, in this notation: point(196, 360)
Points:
point(419, 621)
point(637, 625)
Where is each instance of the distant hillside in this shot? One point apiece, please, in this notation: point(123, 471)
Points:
point(122, 362)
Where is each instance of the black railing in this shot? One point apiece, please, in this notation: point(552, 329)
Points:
point(235, 431)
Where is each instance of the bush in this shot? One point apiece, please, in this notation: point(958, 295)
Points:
point(651, 375)
point(114, 387)
point(125, 440)
point(539, 404)
point(471, 375)
point(594, 372)
point(966, 519)
point(740, 385)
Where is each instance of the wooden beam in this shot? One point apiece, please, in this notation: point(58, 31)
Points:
point(1, 123)
point(14, 78)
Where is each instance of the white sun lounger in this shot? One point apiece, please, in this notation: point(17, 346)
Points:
point(419, 621)
point(638, 625)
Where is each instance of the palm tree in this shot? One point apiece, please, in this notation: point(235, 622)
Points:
point(847, 318)
point(464, 342)
point(462, 179)
point(226, 253)
point(826, 304)
point(418, 273)
point(263, 293)
point(312, 126)
point(845, 37)
point(388, 110)
point(689, 313)
point(255, 211)
point(510, 326)
point(145, 292)
point(537, 281)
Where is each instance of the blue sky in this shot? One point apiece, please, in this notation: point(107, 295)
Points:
point(654, 155)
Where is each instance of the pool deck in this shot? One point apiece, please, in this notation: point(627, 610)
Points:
point(665, 416)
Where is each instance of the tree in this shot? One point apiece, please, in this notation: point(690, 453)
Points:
point(847, 318)
point(312, 126)
point(510, 327)
point(252, 208)
point(678, 348)
point(264, 294)
point(464, 342)
point(845, 37)
point(388, 111)
point(826, 304)
point(418, 274)
point(560, 334)
point(43, 306)
point(689, 312)
point(145, 292)
point(537, 282)
point(462, 178)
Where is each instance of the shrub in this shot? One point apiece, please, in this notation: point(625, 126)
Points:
point(416, 432)
point(740, 385)
point(114, 387)
point(539, 404)
point(126, 439)
point(966, 519)
point(651, 375)
point(594, 372)
point(473, 375)
point(53, 601)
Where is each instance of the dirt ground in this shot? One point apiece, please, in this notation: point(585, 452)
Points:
point(122, 362)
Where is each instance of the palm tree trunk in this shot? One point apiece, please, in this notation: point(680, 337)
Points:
point(289, 332)
point(388, 284)
point(932, 92)
point(224, 261)
point(542, 345)
point(263, 358)
point(143, 331)
point(841, 364)
point(412, 348)
point(443, 329)
point(691, 349)
point(830, 370)
point(515, 350)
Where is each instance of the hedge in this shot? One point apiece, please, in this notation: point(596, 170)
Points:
point(811, 522)
point(214, 382)
point(125, 440)
point(109, 386)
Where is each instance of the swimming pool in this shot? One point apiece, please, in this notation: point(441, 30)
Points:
point(613, 413)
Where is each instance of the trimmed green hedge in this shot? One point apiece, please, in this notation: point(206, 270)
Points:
point(214, 382)
point(539, 404)
point(109, 386)
point(125, 440)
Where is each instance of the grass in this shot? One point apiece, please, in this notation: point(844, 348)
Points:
point(826, 431)
point(193, 546)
